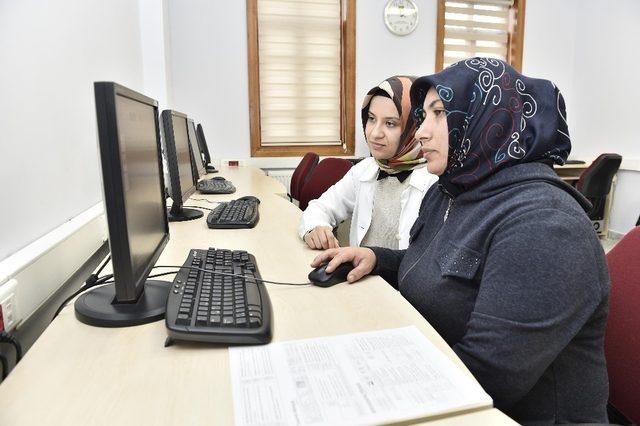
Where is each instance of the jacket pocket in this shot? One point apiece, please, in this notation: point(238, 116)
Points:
point(460, 262)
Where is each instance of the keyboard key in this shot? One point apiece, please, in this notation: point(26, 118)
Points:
point(183, 319)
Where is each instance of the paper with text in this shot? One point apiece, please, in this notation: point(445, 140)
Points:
point(363, 378)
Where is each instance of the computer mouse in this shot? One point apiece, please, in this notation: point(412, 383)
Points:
point(322, 279)
point(250, 198)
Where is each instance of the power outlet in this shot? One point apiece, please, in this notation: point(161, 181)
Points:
point(8, 303)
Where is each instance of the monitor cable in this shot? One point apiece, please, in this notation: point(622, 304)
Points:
point(5, 367)
point(91, 282)
point(8, 338)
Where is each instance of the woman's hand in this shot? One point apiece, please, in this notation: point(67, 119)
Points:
point(362, 258)
point(321, 238)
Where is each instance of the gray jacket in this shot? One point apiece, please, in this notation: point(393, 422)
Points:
point(515, 280)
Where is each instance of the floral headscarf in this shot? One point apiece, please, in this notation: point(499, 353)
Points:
point(408, 156)
point(497, 117)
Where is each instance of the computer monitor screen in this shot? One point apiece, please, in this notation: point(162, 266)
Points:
point(182, 181)
point(203, 145)
point(133, 185)
point(197, 158)
point(141, 180)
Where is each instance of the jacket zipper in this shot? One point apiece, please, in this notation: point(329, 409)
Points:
point(446, 216)
point(446, 213)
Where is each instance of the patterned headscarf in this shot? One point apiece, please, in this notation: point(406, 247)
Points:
point(497, 117)
point(408, 156)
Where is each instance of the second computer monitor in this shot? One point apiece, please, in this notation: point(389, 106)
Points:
point(205, 150)
point(196, 158)
point(181, 179)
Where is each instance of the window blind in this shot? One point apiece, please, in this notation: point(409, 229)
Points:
point(477, 28)
point(299, 51)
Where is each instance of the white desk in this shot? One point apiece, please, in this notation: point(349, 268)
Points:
point(81, 375)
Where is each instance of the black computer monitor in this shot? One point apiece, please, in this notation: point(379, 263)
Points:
point(182, 183)
point(205, 150)
point(197, 160)
point(133, 185)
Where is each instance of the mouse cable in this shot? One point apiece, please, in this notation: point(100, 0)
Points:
point(207, 201)
point(214, 273)
point(106, 280)
point(198, 207)
point(229, 275)
point(8, 338)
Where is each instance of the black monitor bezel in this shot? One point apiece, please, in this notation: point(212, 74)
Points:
point(176, 194)
point(203, 144)
point(114, 194)
point(196, 153)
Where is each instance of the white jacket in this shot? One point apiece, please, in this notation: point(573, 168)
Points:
point(353, 195)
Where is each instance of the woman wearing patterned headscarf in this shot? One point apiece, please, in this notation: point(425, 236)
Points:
point(381, 194)
point(503, 261)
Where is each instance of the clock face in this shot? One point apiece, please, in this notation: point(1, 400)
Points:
point(401, 16)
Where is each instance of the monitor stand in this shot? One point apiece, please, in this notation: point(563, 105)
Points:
point(210, 169)
point(99, 308)
point(183, 214)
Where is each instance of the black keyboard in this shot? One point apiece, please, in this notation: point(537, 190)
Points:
point(215, 186)
point(240, 213)
point(209, 307)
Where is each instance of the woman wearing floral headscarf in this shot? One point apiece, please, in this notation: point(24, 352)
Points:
point(503, 261)
point(382, 194)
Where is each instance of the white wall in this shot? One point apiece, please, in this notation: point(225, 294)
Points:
point(156, 52)
point(52, 52)
point(549, 46)
point(209, 71)
point(606, 79)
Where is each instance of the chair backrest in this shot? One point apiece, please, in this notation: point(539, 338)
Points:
point(622, 338)
point(595, 181)
point(302, 173)
point(327, 172)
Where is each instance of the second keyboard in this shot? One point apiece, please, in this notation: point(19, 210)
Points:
point(240, 213)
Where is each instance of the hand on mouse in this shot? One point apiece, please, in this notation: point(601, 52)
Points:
point(362, 258)
point(321, 237)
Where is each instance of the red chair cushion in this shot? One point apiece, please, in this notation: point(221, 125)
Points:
point(302, 173)
point(327, 172)
point(622, 338)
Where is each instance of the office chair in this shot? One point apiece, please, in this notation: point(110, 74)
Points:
point(327, 172)
point(622, 346)
point(302, 173)
point(595, 184)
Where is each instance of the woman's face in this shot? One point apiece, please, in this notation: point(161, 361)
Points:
point(433, 133)
point(383, 128)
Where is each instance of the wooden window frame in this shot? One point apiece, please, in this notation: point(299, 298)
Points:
point(515, 40)
point(347, 89)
